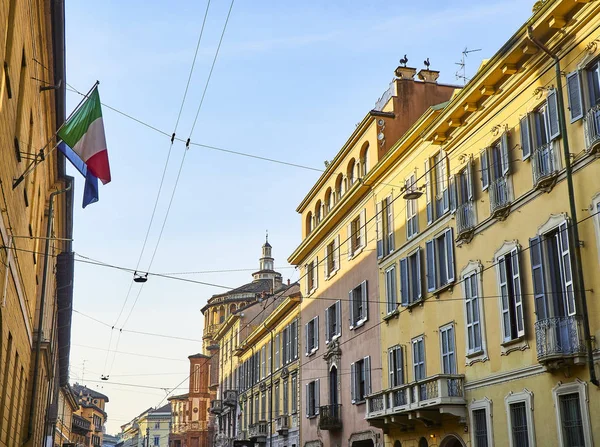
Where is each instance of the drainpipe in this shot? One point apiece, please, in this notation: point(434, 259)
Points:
point(579, 284)
point(272, 392)
point(38, 343)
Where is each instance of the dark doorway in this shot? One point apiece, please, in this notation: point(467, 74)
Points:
point(333, 386)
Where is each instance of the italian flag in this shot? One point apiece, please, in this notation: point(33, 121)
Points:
point(84, 133)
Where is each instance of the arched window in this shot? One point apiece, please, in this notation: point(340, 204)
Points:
point(215, 319)
point(364, 159)
point(329, 201)
point(423, 442)
point(318, 213)
point(339, 181)
point(231, 309)
point(221, 314)
point(350, 172)
point(309, 222)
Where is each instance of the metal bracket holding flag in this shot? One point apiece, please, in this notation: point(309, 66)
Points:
point(82, 140)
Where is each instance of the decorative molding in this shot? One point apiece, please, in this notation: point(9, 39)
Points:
point(368, 435)
point(553, 222)
point(505, 376)
point(285, 372)
point(315, 443)
point(333, 355)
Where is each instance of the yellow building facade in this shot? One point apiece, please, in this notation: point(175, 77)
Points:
point(483, 333)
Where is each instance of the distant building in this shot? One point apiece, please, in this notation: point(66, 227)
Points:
point(88, 421)
point(149, 429)
point(110, 441)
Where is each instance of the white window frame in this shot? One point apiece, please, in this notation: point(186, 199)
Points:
point(451, 353)
point(449, 261)
point(474, 268)
point(595, 208)
point(482, 404)
point(360, 369)
point(314, 265)
point(581, 388)
point(364, 292)
point(525, 396)
point(406, 300)
point(360, 222)
point(337, 308)
point(395, 371)
point(391, 289)
point(412, 209)
point(331, 260)
point(414, 343)
point(315, 398)
point(314, 323)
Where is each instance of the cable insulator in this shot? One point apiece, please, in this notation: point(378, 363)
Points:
point(173, 138)
point(187, 144)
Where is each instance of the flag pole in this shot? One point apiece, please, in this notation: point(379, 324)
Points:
point(31, 167)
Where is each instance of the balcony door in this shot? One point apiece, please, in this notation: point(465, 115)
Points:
point(333, 386)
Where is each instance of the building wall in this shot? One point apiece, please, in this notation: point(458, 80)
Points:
point(27, 120)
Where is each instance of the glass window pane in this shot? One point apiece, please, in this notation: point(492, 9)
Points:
point(518, 417)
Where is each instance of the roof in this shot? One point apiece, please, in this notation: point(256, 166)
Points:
point(82, 389)
point(198, 356)
point(256, 286)
point(164, 409)
point(178, 397)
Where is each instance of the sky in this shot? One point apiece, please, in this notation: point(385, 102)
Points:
point(291, 81)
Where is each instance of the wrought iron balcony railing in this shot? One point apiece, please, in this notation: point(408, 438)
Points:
point(545, 165)
point(81, 423)
point(216, 406)
point(591, 129)
point(230, 398)
point(499, 196)
point(433, 393)
point(258, 431)
point(282, 424)
point(465, 219)
point(330, 417)
point(559, 337)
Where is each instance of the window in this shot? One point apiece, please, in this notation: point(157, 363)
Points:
point(364, 160)
point(418, 347)
point(312, 335)
point(290, 348)
point(269, 358)
point(157, 425)
point(332, 257)
point(333, 321)
point(520, 419)
point(447, 347)
point(384, 225)
point(312, 398)
point(156, 440)
point(390, 289)
point(277, 344)
point(309, 223)
point(276, 399)
point(509, 283)
point(358, 305)
point(263, 405)
point(440, 261)
point(410, 278)
point(412, 218)
point(481, 429)
point(318, 209)
point(573, 419)
point(462, 198)
point(589, 95)
point(256, 407)
point(357, 234)
point(360, 378)
point(395, 366)
point(294, 393)
point(285, 397)
point(436, 189)
point(312, 279)
point(263, 361)
point(471, 294)
point(481, 423)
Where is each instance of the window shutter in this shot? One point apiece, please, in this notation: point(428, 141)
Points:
point(391, 367)
point(327, 326)
point(446, 174)
point(428, 191)
point(450, 254)
point(269, 357)
point(338, 317)
point(367, 365)
point(306, 345)
point(566, 265)
point(504, 298)
point(306, 275)
point(365, 300)
point(537, 271)
point(485, 169)
point(575, 96)
point(553, 122)
point(390, 224)
point(277, 351)
point(453, 196)
point(504, 153)
point(404, 300)
point(353, 382)
point(350, 253)
point(316, 332)
point(316, 271)
point(317, 396)
point(379, 229)
point(516, 279)
point(430, 260)
point(525, 137)
point(363, 228)
point(306, 387)
point(326, 259)
point(351, 308)
point(336, 253)
point(419, 285)
point(295, 346)
point(470, 186)
point(399, 366)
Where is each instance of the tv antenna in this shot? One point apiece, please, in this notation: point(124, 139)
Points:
point(461, 73)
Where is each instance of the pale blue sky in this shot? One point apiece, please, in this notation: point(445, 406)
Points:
point(291, 81)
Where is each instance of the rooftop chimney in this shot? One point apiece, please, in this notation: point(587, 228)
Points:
point(427, 75)
point(405, 72)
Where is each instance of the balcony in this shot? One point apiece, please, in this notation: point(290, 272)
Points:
point(330, 417)
point(258, 432)
point(427, 400)
point(80, 425)
point(465, 221)
point(282, 424)
point(242, 435)
point(216, 406)
point(591, 129)
point(499, 198)
point(545, 165)
point(230, 398)
point(560, 340)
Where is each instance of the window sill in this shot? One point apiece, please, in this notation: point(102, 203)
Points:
point(414, 304)
point(391, 315)
point(356, 252)
point(517, 344)
point(334, 338)
point(331, 274)
point(312, 351)
point(311, 416)
point(359, 402)
point(441, 289)
point(473, 354)
point(358, 324)
point(311, 291)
